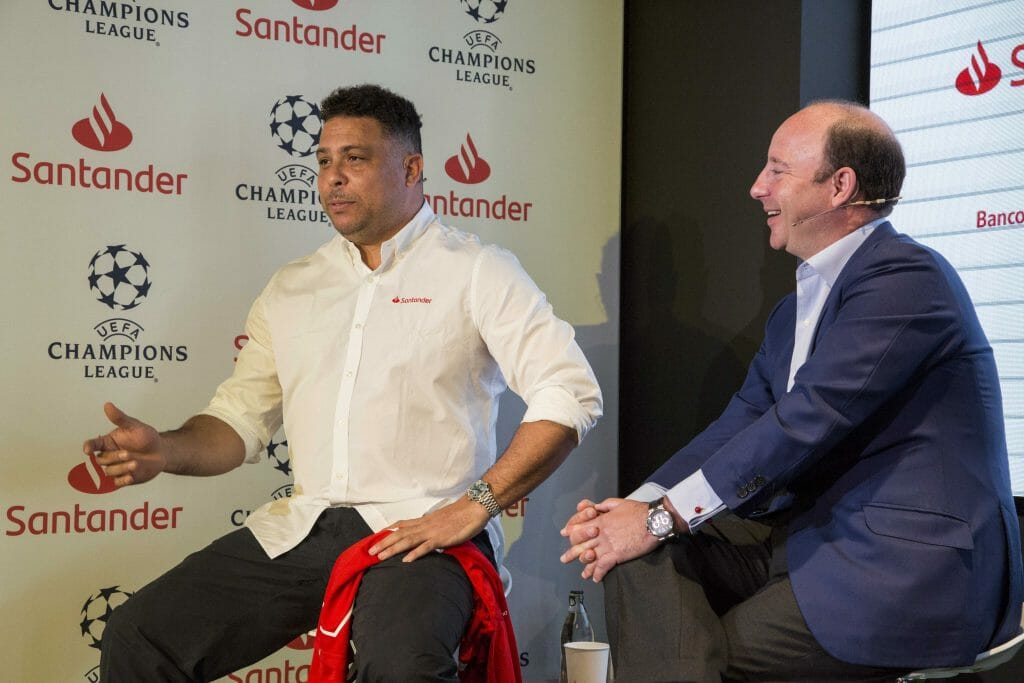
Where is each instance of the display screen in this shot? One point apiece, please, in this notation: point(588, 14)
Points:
point(949, 79)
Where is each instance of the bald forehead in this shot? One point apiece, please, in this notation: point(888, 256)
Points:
point(828, 113)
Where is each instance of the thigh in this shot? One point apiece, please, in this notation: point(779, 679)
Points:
point(768, 640)
point(408, 619)
point(228, 604)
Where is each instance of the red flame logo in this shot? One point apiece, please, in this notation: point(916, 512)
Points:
point(88, 477)
point(467, 166)
point(978, 78)
point(102, 132)
point(316, 5)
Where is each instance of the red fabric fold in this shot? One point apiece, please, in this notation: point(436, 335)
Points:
point(488, 652)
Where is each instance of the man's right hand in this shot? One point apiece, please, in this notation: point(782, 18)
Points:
point(130, 453)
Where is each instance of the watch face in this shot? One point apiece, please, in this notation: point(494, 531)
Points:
point(660, 523)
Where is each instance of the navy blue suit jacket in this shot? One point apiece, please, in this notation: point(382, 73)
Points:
point(890, 450)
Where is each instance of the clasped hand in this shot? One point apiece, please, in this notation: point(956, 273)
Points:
point(602, 535)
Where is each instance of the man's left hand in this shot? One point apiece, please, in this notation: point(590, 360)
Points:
point(615, 536)
point(443, 528)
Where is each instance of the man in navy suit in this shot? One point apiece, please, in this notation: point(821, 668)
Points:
point(849, 514)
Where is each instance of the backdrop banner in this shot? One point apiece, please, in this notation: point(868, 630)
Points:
point(158, 169)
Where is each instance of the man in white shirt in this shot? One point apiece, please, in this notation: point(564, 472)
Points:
point(383, 354)
point(863, 463)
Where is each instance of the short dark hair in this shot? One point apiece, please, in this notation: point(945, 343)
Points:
point(396, 115)
point(872, 152)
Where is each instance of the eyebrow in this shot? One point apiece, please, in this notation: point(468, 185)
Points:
point(345, 149)
point(776, 160)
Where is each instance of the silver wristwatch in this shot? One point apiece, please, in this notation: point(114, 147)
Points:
point(480, 491)
point(660, 523)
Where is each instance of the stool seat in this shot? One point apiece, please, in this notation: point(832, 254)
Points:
point(987, 660)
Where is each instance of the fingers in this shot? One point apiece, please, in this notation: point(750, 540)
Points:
point(113, 413)
point(585, 514)
point(609, 504)
point(578, 551)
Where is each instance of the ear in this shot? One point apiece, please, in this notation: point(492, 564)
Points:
point(844, 186)
point(413, 169)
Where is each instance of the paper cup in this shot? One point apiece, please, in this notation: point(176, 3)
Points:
point(586, 662)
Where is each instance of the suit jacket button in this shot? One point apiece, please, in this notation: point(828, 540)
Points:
point(759, 480)
point(741, 492)
point(751, 487)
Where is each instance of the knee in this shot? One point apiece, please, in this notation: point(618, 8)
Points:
point(388, 663)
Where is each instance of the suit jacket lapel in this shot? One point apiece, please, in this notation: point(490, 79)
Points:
point(883, 232)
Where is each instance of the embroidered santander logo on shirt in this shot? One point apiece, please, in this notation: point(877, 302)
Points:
point(411, 300)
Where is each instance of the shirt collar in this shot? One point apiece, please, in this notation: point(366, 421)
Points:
point(829, 262)
point(397, 246)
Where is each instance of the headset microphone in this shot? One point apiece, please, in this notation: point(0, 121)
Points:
point(862, 202)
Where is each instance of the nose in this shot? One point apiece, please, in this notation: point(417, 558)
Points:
point(331, 174)
point(759, 189)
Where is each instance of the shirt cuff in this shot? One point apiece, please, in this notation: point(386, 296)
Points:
point(695, 500)
point(647, 493)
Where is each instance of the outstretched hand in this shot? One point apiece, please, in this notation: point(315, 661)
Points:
point(130, 453)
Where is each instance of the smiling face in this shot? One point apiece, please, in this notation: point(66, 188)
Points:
point(369, 181)
point(787, 189)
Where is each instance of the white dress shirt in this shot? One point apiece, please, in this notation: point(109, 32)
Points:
point(388, 381)
point(693, 497)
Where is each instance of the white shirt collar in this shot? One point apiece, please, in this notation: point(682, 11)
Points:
point(829, 262)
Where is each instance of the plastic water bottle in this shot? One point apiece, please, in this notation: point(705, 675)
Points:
point(575, 628)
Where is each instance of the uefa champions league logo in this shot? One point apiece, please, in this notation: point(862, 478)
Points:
point(295, 125)
point(119, 277)
point(96, 611)
point(485, 11)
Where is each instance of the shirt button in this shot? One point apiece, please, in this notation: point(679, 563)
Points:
point(348, 374)
point(359, 326)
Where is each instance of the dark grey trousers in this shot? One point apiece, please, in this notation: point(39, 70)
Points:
point(229, 605)
point(716, 606)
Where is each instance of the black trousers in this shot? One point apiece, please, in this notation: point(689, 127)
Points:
point(229, 605)
point(717, 606)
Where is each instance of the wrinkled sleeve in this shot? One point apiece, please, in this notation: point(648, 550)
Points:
point(535, 350)
point(250, 400)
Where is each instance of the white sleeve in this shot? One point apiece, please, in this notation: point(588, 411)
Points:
point(535, 350)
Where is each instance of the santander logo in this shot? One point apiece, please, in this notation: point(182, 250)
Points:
point(88, 477)
point(316, 5)
point(980, 77)
point(468, 166)
point(102, 131)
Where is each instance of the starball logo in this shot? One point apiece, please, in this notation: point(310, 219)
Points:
point(341, 37)
point(983, 75)
point(294, 125)
point(101, 131)
point(123, 21)
point(480, 59)
point(119, 278)
point(469, 167)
